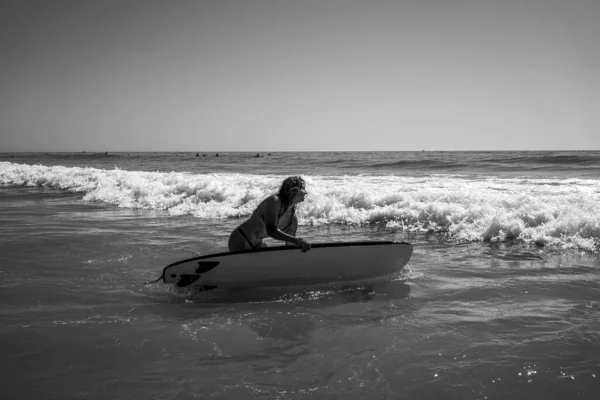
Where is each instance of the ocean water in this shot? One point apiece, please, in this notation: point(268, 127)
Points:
point(501, 298)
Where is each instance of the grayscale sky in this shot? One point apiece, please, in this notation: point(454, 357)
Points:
point(304, 75)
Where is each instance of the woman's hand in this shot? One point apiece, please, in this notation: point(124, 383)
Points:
point(305, 246)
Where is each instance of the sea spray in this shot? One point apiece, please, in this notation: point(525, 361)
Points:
point(561, 213)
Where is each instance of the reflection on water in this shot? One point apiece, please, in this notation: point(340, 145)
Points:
point(318, 295)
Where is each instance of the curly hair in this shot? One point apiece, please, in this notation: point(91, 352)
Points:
point(289, 188)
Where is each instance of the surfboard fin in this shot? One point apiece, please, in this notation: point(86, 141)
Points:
point(205, 266)
point(186, 280)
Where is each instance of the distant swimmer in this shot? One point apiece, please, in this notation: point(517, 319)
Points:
point(106, 153)
point(257, 155)
point(203, 155)
point(197, 155)
point(217, 155)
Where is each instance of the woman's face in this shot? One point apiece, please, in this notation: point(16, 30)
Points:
point(299, 196)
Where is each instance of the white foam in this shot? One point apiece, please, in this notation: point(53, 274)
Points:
point(555, 212)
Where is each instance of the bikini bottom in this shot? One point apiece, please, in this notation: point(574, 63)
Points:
point(252, 246)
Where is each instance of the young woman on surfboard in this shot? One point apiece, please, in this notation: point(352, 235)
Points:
point(274, 217)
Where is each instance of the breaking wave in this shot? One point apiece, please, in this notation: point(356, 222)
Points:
point(560, 213)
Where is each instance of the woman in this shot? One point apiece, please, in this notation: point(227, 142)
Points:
point(274, 217)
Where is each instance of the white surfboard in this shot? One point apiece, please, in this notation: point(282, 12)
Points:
point(288, 265)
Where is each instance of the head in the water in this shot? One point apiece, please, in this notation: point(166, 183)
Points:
point(274, 217)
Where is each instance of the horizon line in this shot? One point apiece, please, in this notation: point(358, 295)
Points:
point(283, 151)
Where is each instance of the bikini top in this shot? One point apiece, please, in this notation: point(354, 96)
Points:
point(262, 216)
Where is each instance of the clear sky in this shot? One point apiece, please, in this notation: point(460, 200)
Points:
point(304, 75)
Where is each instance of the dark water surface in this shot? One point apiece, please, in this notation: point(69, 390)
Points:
point(507, 315)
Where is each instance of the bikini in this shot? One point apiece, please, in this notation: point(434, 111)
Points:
point(254, 246)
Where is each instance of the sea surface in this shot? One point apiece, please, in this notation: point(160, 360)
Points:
point(500, 300)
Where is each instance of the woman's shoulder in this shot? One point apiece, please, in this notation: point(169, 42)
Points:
point(272, 200)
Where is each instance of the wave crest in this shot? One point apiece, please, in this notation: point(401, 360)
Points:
point(562, 213)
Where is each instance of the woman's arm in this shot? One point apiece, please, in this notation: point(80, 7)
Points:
point(271, 219)
point(291, 230)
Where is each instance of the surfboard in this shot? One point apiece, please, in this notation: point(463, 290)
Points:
point(288, 265)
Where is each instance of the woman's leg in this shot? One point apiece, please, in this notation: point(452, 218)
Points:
point(237, 241)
